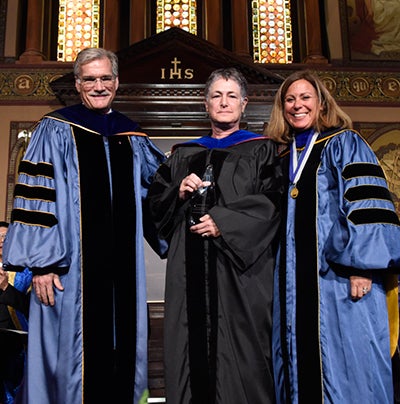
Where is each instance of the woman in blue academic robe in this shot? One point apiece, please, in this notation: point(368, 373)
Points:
point(339, 252)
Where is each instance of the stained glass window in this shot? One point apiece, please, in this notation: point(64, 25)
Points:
point(272, 31)
point(177, 13)
point(78, 27)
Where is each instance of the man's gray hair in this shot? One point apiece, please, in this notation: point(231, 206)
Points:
point(88, 55)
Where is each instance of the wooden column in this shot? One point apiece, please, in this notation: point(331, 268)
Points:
point(240, 28)
point(34, 32)
point(138, 19)
point(213, 22)
point(111, 33)
point(313, 33)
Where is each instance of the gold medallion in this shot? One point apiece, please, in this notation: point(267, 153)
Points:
point(294, 192)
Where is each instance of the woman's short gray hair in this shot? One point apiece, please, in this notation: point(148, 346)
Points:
point(227, 73)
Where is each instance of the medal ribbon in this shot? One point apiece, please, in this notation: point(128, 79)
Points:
point(296, 165)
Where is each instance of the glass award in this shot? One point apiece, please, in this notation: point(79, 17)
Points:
point(203, 198)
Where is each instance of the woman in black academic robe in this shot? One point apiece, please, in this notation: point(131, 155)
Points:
point(220, 271)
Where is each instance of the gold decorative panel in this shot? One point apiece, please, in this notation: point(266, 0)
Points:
point(363, 87)
point(350, 87)
point(28, 84)
point(78, 27)
point(272, 31)
point(177, 13)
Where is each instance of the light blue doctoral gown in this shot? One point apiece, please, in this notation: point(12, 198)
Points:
point(55, 368)
point(342, 223)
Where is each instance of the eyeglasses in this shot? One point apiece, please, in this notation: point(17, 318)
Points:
point(90, 82)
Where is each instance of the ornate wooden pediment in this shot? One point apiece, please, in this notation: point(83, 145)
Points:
point(162, 80)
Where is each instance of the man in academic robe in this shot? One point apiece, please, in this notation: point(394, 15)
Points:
point(78, 223)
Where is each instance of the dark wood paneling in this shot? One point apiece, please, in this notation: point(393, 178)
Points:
point(155, 350)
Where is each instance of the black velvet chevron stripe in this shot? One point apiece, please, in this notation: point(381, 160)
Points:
point(367, 192)
point(33, 218)
point(40, 193)
point(39, 169)
point(362, 170)
point(369, 216)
